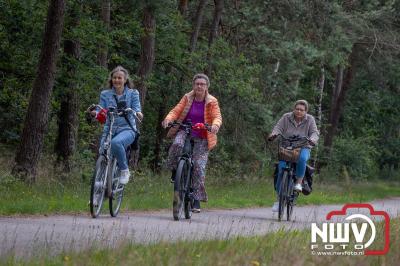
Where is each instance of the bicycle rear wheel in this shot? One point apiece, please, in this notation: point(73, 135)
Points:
point(97, 188)
point(282, 195)
point(179, 190)
point(117, 190)
point(290, 201)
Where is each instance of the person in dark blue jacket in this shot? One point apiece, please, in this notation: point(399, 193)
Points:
point(120, 89)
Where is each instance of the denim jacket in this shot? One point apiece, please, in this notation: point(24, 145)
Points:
point(107, 99)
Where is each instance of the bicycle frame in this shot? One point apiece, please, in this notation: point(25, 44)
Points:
point(183, 194)
point(287, 195)
point(111, 162)
point(107, 154)
point(105, 182)
point(187, 153)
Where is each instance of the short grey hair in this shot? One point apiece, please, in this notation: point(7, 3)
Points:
point(201, 76)
point(301, 102)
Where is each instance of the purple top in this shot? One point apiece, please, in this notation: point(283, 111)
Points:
point(196, 115)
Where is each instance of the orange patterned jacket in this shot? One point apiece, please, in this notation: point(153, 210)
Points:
point(212, 115)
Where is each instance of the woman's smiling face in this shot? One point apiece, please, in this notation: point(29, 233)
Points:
point(118, 80)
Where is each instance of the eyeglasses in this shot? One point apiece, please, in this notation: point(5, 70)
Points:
point(200, 84)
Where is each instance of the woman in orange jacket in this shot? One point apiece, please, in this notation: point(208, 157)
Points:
point(200, 107)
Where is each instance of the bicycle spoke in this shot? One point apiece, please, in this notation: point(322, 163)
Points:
point(117, 191)
point(97, 189)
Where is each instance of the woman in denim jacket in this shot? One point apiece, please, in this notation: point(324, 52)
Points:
point(123, 134)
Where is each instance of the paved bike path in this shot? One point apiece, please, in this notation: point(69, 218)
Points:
point(28, 236)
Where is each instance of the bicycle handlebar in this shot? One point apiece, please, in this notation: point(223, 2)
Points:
point(201, 126)
point(114, 110)
point(293, 139)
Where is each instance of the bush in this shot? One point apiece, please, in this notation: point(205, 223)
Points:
point(354, 157)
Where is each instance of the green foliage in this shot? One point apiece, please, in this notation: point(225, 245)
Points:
point(355, 157)
point(267, 55)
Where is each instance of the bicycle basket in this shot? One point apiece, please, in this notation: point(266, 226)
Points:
point(289, 155)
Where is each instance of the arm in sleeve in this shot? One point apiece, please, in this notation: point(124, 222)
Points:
point(135, 98)
point(103, 103)
point(279, 127)
point(177, 110)
point(216, 114)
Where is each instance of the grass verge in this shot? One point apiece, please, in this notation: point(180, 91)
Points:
point(149, 192)
point(280, 248)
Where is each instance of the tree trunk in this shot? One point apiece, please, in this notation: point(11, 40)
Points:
point(37, 116)
point(68, 116)
point(338, 87)
point(182, 6)
point(320, 89)
point(197, 24)
point(219, 7)
point(105, 17)
point(339, 97)
point(147, 55)
point(159, 137)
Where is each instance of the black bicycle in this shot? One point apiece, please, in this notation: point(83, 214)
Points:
point(105, 181)
point(288, 151)
point(183, 191)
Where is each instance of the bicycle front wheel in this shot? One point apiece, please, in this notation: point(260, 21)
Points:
point(98, 186)
point(282, 195)
point(179, 190)
point(117, 190)
point(188, 202)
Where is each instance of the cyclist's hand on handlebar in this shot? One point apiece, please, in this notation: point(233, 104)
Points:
point(165, 123)
point(92, 110)
point(271, 137)
point(214, 129)
point(139, 115)
point(312, 143)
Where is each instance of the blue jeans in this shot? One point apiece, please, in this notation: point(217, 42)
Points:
point(119, 143)
point(300, 166)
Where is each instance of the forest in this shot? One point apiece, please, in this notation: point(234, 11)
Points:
point(342, 56)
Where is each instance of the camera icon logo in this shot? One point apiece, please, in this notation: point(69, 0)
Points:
point(350, 234)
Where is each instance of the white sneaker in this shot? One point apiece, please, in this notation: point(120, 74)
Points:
point(124, 177)
point(298, 187)
point(275, 207)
